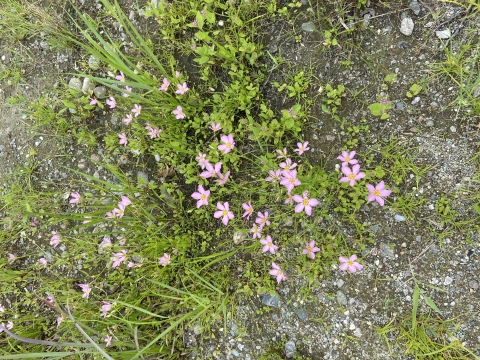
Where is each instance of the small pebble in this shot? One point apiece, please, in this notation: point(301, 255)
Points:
point(430, 123)
point(406, 27)
point(453, 129)
point(399, 218)
point(415, 7)
point(269, 300)
point(290, 349)
point(416, 100)
point(448, 280)
point(308, 26)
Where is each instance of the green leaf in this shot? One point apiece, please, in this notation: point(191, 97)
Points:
point(289, 123)
point(375, 109)
point(431, 304)
point(201, 35)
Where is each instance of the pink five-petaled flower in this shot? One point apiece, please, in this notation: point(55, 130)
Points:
point(281, 154)
point(128, 119)
point(248, 209)
point(352, 174)
point(86, 290)
point(125, 201)
point(222, 179)
point(118, 258)
point(276, 271)
point(302, 147)
point(228, 143)
point(93, 101)
point(182, 88)
point(215, 127)
point(55, 239)
point(137, 109)
point(223, 212)
point(288, 165)
point(111, 102)
point(128, 90)
point(202, 160)
point(120, 77)
point(75, 198)
point(59, 321)
point(378, 192)
point(106, 307)
point(211, 171)
point(105, 242)
point(262, 219)
point(43, 261)
point(304, 203)
point(177, 74)
point(274, 175)
point(256, 231)
point(310, 249)
point(268, 245)
point(347, 158)
point(164, 260)
point(350, 264)
point(165, 85)
point(201, 195)
point(108, 340)
point(11, 258)
point(289, 199)
point(290, 180)
point(178, 112)
point(123, 139)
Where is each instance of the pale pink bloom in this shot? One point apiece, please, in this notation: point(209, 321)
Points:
point(11, 258)
point(177, 74)
point(55, 239)
point(105, 242)
point(50, 299)
point(43, 261)
point(59, 321)
point(120, 77)
point(302, 147)
point(137, 109)
point(118, 258)
point(201, 195)
point(223, 212)
point(274, 175)
point(9, 325)
point(347, 158)
point(228, 143)
point(128, 89)
point(248, 209)
point(93, 101)
point(262, 219)
point(281, 154)
point(106, 307)
point(288, 165)
point(2, 309)
point(178, 113)
point(268, 245)
point(165, 85)
point(86, 221)
point(123, 139)
point(202, 160)
point(276, 271)
point(350, 264)
point(125, 201)
point(182, 88)
point(86, 290)
point(120, 211)
point(290, 180)
point(164, 260)
point(153, 132)
point(215, 127)
point(128, 119)
point(222, 179)
point(256, 231)
point(378, 192)
point(108, 340)
point(310, 249)
point(211, 171)
point(304, 203)
point(35, 222)
point(75, 198)
point(111, 102)
point(289, 199)
point(121, 240)
point(351, 175)
point(110, 215)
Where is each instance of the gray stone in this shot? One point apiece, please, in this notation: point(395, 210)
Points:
point(290, 349)
point(453, 129)
point(403, 45)
point(406, 27)
point(476, 91)
point(240, 347)
point(448, 280)
point(399, 105)
point(304, 2)
point(142, 177)
point(430, 123)
point(386, 251)
point(88, 86)
point(342, 299)
point(235, 353)
point(399, 217)
point(100, 92)
point(308, 26)
point(443, 34)
point(415, 7)
point(270, 300)
point(94, 62)
point(302, 314)
point(473, 284)
point(75, 83)
point(416, 100)
point(340, 283)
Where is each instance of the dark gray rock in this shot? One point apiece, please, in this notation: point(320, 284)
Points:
point(270, 300)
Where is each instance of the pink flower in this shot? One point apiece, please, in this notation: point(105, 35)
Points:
point(211, 171)
point(119, 212)
point(43, 261)
point(136, 110)
point(108, 340)
point(256, 231)
point(86, 290)
point(281, 154)
point(215, 127)
point(128, 119)
point(222, 178)
point(118, 258)
point(93, 101)
point(128, 89)
point(11, 258)
point(2, 309)
point(224, 212)
point(106, 307)
point(153, 132)
point(105, 242)
point(228, 143)
point(55, 239)
point(111, 102)
point(311, 249)
point(350, 264)
point(276, 271)
point(202, 160)
point(347, 158)
point(352, 175)
point(268, 245)
point(165, 85)
point(87, 221)
point(182, 88)
point(262, 219)
point(377, 193)
point(248, 209)
point(59, 321)
point(120, 77)
point(75, 198)
point(288, 165)
point(123, 139)
point(304, 203)
point(201, 195)
point(125, 201)
point(164, 260)
point(302, 147)
point(290, 180)
point(274, 176)
point(289, 199)
point(177, 74)
point(178, 113)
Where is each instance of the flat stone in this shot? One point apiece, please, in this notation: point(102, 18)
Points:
point(473, 284)
point(342, 299)
point(443, 34)
point(386, 251)
point(270, 300)
point(100, 92)
point(302, 314)
point(308, 26)
point(75, 83)
point(415, 7)
point(453, 129)
point(448, 280)
point(399, 218)
point(87, 86)
point(340, 283)
point(290, 349)
point(94, 62)
point(142, 177)
point(406, 27)
point(399, 105)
